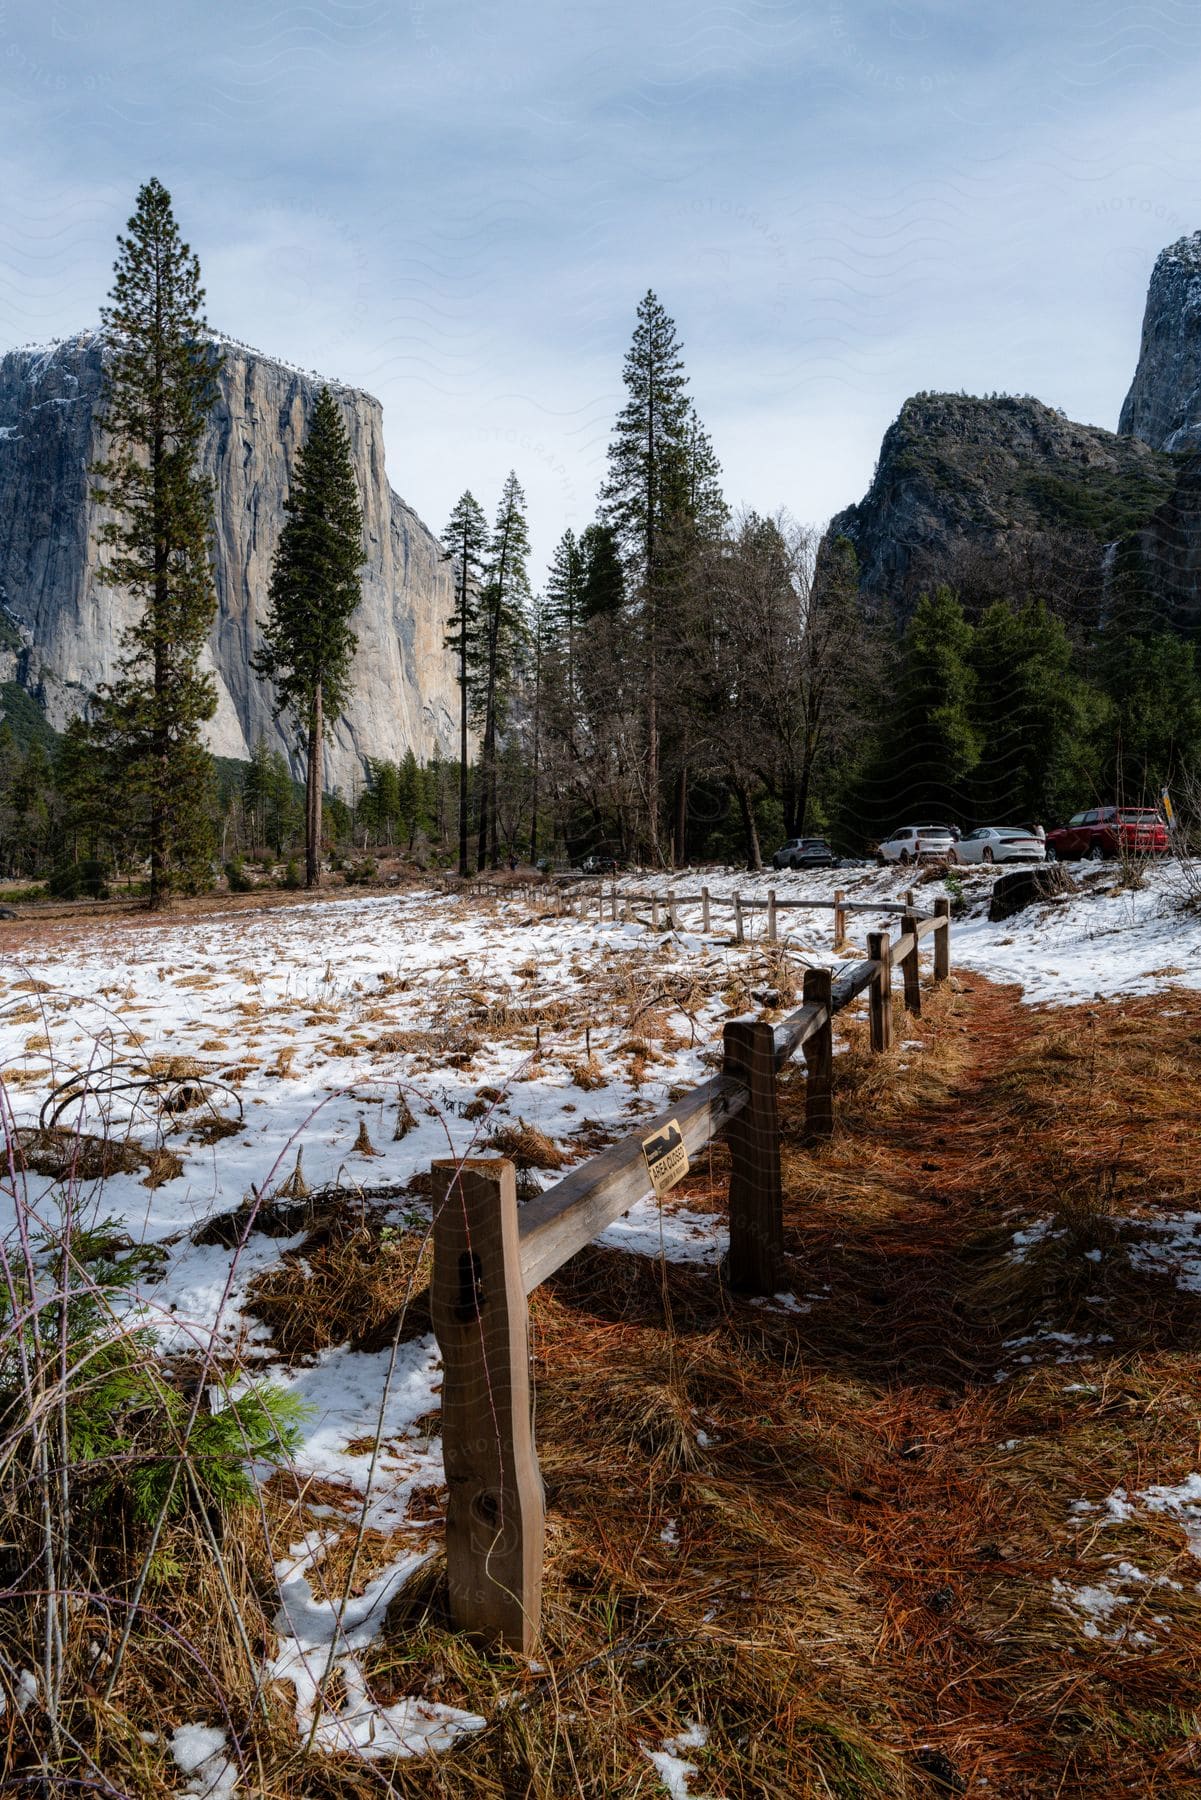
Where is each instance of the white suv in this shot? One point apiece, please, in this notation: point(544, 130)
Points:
point(918, 843)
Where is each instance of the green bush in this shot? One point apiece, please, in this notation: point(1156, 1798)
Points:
point(292, 875)
point(127, 1436)
point(87, 879)
point(239, 881)
point(363, 871)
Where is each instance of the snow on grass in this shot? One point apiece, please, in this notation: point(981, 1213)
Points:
point(322, 1634)
point(199, 1752)
point(674, 1770)
point(1104, 940)
point(1099, 1606)
point(315, 1018)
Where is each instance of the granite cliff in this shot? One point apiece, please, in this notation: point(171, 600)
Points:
point(61, 629)
point(1163, 407)
point(1000, 495)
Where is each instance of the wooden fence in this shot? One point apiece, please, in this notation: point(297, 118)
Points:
point(578, 895)
point(489, 1256)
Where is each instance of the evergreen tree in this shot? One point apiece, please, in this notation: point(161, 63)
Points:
point(410, 798)
point(661, 487)
point(602, 578)
point(159, 387)
point(1150, 727)
point(505, 590)
point(84, 787)
point(1030, 712)
point(928, 745)
point(256, 791)
point(465, 542)
point(560, 613)
point(308, 645)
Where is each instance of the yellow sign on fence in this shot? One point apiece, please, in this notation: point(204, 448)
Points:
point(665, 1157)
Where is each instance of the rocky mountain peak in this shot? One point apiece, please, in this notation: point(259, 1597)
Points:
point(1163, 407)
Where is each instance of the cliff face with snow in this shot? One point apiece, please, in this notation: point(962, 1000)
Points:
point(1163, 407)
point(64, 624)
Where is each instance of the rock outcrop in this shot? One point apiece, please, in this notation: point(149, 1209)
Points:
point(62, 626)
point(999, 496)
point(1163, 407)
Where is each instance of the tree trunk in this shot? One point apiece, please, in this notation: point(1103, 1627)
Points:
point(463, 727)
point(680, 828)
point(314, 781)
point(160, 746)
point(754, 857)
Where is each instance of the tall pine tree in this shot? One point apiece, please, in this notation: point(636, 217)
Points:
point(308, 645)
point(560, 612)
point(160, 383)
point(661, 486)
point(505, 591)
point(464, 542)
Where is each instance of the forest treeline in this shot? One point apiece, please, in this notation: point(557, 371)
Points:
point(686, 681)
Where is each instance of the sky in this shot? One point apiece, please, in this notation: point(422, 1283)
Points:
point(457, 206)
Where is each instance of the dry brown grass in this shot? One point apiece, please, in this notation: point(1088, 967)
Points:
point(527, 1147)
point(353, 1280)
point(829, 1534)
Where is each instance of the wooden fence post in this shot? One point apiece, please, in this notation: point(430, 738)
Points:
point(942, 938)
point(840, 919)
point(910, 899)
point(879, 949)
point(613, 898)
point(738, 935)
point(910, 966)
point(756, 1192)
point(705, 911)
point(654, 912)
point(671, 913)
point(494, 1518)
point(771, 915)
point(819, 1058)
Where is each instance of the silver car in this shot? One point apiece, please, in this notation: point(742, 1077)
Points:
point(999, 843)
point(918, 843)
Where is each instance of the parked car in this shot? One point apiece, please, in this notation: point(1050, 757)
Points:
point(1109, 831)
point(599, 865)
point(805, 853)
point(919, 843)
point(999, 843)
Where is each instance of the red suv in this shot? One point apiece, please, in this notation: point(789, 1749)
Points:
point(1109, 831)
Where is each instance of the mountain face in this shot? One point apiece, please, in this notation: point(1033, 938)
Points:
point(998, 496)
point(61, 630)
point(1163, 407)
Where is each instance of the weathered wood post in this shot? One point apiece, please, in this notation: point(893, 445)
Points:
point(494, 1518)
point(756, 1191)
point(672, 921)
point(910, 899)
point(910, 966)
point(613, 897)
point(879, 949)
point(654, 912)
point(840, 918)
point(819, 1059)
point(705, 910)
point(942, 938)
point(771, 915)
point(738, 934)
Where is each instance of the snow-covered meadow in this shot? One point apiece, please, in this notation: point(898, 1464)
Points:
point(367, 1036)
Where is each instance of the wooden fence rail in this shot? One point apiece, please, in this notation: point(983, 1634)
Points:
point(489, 1255)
